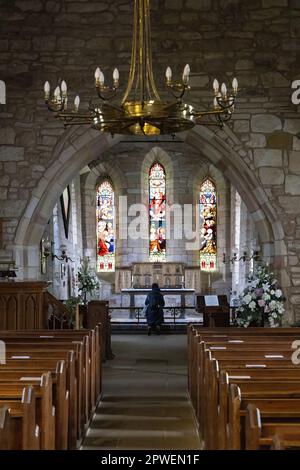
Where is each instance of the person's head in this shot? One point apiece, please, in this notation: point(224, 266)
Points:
point(155, 285)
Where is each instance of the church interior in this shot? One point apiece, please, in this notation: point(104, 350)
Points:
point(149, 225)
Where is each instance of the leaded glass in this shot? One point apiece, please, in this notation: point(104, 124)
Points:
point(157, 213)
point(208, 226)
point(105, 213)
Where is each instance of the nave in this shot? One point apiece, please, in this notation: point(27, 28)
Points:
point(145, 403)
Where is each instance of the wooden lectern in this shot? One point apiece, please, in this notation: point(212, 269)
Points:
point(215, 310)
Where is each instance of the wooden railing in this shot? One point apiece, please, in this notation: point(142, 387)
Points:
point(57, 314)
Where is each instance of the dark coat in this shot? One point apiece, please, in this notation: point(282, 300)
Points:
point(155, 303)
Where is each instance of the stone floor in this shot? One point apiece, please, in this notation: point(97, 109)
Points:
point(145, 403)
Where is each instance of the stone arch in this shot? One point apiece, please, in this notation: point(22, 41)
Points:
point(79, 146)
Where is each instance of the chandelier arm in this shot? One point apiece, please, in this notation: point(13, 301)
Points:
point(141, 51)
point(113, 92)
point(76, 123)
point(112, 106)
point(133, 55)
point(212, 123)
point(223, 104)
point(181, 87)
point(77, 115)
point(55, 107)
point(149, 50)
point(199, 114)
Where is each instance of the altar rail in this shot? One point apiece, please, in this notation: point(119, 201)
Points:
point(176, 314)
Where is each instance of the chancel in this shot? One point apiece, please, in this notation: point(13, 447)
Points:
point(149, 162)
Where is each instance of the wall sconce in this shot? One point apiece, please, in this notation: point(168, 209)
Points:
point(230, 260)
point(48, 251)
point(8, 270)
point(245, 257)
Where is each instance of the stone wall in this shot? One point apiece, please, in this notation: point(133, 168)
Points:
point(258, 41)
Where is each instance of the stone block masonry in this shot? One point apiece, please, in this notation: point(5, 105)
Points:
point(257, 41)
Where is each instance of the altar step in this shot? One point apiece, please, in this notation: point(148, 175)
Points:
point(134, 328)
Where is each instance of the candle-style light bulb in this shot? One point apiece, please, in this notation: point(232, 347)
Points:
point(216, 104)
point(76, 103)
point(116, 77)
point(169, 74)
point(186, 73)
point(47, 90)
point(101, 78)
point(63, 88)
point(235, 85)
point(216, 86)
point(224, 89)
point(57, 93)
point(97, 75)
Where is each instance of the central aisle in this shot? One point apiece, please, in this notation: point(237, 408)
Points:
point(145, 403)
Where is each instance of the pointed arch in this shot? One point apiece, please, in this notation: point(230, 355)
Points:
point(2, 92)
point(157, 213)
point(105, 226)
point(208, 225)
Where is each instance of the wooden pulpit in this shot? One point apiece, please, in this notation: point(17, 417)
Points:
point(215, 310)
point(22, 305)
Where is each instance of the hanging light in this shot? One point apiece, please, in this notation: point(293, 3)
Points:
point(141, 110)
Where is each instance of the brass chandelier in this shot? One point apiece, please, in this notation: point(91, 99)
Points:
point(141, 111)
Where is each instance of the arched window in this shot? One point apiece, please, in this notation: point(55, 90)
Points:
point(105, 218)
point(157, 213)
point(2, 92)
point(208, 226)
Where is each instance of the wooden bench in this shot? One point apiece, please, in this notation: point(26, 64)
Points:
point(45, 411)
point(286, 442)
point(221, 360)
point(60, 397)
point(71, 361)
point(278, 419)
point(18, 427)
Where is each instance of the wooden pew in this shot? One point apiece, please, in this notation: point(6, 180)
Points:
point(80, 352)
point(279, 420)
point(243, 394)
point(67, 335)
point(36, 350)
point(45, 412)
point(221, 351)
point(37, 365)
point(18, 428)
point(208, 393)
point(60, 398)
point(286, 442)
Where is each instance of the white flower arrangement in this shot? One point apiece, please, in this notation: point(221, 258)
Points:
point(262, 302)
point(87, 279)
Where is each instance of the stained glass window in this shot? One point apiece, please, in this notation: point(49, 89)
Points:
point(105, 213)
point(208, 226)
point(157, 213)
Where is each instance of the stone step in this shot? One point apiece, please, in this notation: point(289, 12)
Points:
point(134, 328)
